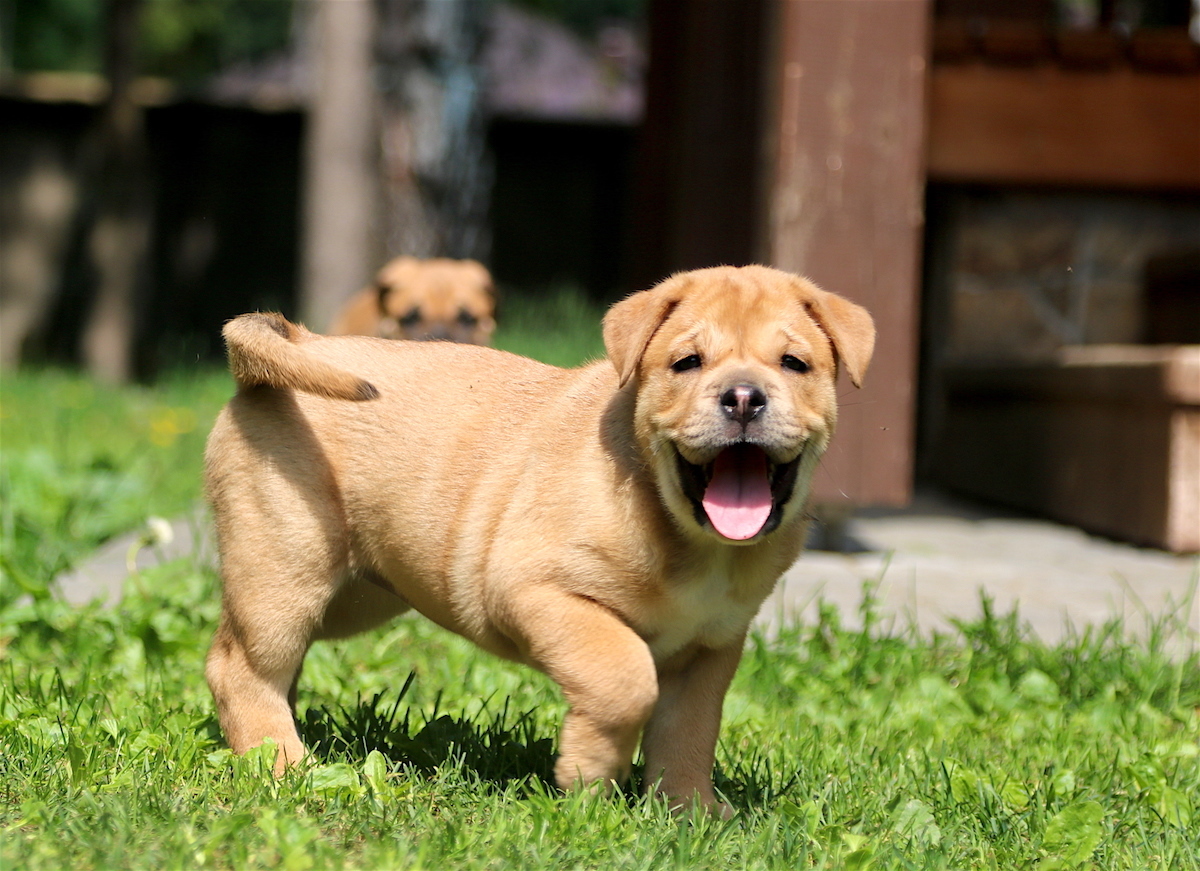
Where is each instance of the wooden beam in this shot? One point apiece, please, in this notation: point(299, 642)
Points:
point(697, 179)
point(1115, 128)
point(846, 193)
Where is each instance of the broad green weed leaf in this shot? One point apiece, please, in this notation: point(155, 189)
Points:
point(806, 816)
point(1054, 863)
point(151, 741)
point(43, 732)
point(913, 821)
point(375, 771)
point(220, 758)
point(1177, 749)
point(964, 783)
point(1172, 804)
point(1064, 782)
point(831, 836)
point(260, 760)
point(1074, 832)
point(1037, 687)
point(859, 860)
point(1015, 795)
point(854, 841)
point(335, 777)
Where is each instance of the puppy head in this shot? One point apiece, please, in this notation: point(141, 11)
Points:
point(436, 299)
point(735, 372)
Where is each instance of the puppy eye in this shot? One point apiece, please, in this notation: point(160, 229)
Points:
point(691, 361)
point(794, 363)
point(466, 319)
point(410, 318)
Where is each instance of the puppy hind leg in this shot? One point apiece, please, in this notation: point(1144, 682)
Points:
point(253, 697)
point(254, 664)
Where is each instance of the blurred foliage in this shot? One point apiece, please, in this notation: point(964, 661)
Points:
point(52, 35)
point(188, 39)
point(180, 39)
point(202, 36)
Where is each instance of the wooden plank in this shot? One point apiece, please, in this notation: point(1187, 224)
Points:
point(1116, 128)
point(695, 200)
point(845, 208)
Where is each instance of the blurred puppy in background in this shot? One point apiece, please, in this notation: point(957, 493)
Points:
point(417, 299)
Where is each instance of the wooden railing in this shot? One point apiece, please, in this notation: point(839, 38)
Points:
point(1012, 103)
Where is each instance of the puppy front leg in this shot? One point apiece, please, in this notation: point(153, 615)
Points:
point(681, 737)
point(607, 676)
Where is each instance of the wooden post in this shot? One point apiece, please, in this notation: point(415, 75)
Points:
point(700, 153)
point(845, 194)
point(119, 231)
point(340, 175)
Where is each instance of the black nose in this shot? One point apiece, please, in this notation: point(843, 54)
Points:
point(743, 403)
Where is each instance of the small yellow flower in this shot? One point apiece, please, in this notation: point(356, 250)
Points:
point(168, 424)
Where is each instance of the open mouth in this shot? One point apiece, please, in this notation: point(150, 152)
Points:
point(741, 493)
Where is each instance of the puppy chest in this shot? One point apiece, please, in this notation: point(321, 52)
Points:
point(704, 611)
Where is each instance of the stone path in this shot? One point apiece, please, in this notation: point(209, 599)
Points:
point(933, 561)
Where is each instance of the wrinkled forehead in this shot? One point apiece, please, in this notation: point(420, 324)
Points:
point(739, 317)
point(440, 290)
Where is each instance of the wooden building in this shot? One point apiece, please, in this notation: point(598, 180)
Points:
point(807, 133)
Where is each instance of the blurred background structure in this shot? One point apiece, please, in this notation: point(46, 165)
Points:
point(1011, 186)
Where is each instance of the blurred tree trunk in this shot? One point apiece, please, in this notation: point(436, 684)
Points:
point(396, 130)
point(341, 179)
point(436, 177)
point(118, 234)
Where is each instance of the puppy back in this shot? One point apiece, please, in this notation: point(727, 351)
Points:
point(264, 348)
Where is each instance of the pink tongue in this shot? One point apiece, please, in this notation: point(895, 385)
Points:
point(738, 498)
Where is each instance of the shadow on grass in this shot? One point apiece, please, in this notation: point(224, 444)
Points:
point(497, 747)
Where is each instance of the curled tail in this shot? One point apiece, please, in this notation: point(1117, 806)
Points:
point(266, 349)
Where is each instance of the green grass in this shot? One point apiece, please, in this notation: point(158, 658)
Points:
point(561, 328)
point(81, 462)
point(842, 748)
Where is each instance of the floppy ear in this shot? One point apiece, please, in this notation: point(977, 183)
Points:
point(632, 322)
point(849, 327)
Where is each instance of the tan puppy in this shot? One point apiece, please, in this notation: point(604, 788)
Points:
point(423, 299)
point(616, 526)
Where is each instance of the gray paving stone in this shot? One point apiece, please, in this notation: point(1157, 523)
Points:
point(931, 563)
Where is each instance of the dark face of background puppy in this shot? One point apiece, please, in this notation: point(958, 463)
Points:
point(445, 299)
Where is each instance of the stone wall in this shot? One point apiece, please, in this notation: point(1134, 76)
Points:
point(1017, 275)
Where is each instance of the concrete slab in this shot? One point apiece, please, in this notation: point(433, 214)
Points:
point(932, 562)
point(102, 576)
